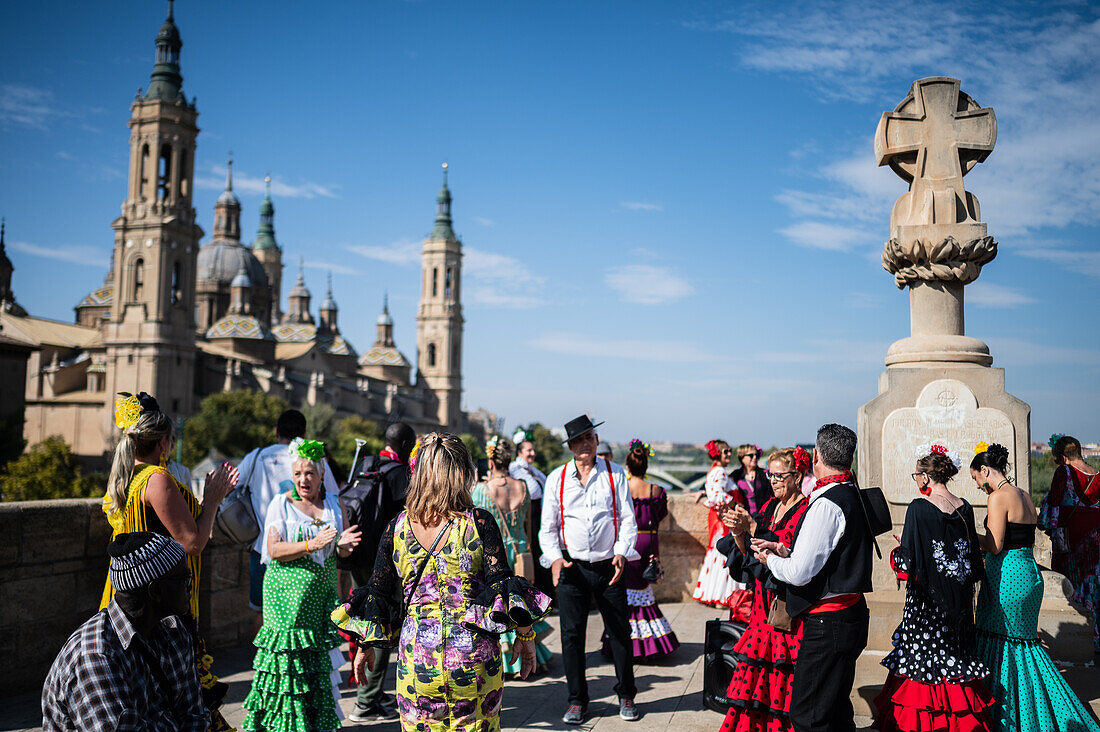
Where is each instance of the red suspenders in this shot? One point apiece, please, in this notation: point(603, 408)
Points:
point(561, 501)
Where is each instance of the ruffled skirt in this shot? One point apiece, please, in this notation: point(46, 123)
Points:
point(760, 687)
point(296, 681)
point(651, 634)
point(715, 586)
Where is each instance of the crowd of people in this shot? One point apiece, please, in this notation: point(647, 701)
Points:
point(452, 570)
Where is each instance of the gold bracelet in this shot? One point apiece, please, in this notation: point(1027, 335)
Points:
point(308, 550)
point(528, 636)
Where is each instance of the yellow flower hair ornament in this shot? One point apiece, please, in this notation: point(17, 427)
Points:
point(412, 455)
point(981, 447)
point(127, 410)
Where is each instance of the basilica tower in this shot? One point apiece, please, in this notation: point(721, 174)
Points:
point(439, 318)
point(150, 333)
point(269, 254)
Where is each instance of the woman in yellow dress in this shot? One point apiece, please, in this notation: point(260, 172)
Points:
point(143, 496)
point(442, 592)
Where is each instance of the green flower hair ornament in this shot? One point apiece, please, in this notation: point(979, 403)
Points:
point(1054, 438)
point(307, 449)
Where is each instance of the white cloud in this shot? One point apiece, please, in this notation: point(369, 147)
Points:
point(579, 344)
point(821, 235)
point(1037, 66)
point(330, 267)
point(28, 106)
point(251, 184)
point(499, 280)
point(642, 206)
point(988, 295)
point(1081, 262)
point(486, 222)
point(75, 254)
point(402, 251)
point(647, 284)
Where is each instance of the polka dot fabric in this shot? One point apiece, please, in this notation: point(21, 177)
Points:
point(1031, 695)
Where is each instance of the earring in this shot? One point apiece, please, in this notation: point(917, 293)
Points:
point(164, 459)
point(925, 489)
point(986, 487)
point(294, 494)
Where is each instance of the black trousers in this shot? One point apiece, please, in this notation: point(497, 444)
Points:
point(577, 585)
point(543, 579)
point(826, 668)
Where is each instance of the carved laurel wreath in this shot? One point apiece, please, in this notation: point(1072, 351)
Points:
point(920, 260)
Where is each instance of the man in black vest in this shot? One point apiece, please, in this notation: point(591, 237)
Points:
point(826, 573)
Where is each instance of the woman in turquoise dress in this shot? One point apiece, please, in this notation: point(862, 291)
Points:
point(507, 499)
point(295, 687)
point(1030, 693)
point(441, 593)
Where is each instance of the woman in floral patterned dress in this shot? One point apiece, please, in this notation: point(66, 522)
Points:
point(441, 593)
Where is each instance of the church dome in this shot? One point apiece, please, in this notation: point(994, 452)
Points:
point(229, 198)
point(220, 261)
point(239, 325)
point(384, 318)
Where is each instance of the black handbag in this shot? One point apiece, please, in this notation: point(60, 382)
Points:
point(653, 571)
point(719, 662)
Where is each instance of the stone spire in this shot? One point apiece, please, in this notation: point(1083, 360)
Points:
point(265, 235)
point(227, 211)
point(443, 229)
point(6, 269)
point(240, 291)
point(384, 338)
point(298, 299)
point(328, 310)
point(166, 83)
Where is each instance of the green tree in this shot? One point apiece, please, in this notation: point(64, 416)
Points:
point(548, 448)
point(48, 470)
point(472, 445)
point(342, 448)
point(320, 421)
point(233, 422)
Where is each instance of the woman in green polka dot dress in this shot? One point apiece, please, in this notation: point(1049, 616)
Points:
point(1031, 695)
point(295, 688)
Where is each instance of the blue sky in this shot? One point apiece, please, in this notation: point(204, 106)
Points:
point(671, 214)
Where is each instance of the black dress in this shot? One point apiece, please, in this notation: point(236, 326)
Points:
point(936, 680)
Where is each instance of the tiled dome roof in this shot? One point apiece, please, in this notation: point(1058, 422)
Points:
point(219, 261)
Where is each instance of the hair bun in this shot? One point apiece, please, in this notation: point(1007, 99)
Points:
point(998, 456)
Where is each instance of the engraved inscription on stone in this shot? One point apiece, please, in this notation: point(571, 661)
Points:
point(946, 413)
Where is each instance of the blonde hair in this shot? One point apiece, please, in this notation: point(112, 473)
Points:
point(441, 482)
point(499, 451)
point(747, 449)
point(783, 455)
point(139, 439)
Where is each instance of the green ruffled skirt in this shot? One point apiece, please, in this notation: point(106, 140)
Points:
point(1032, 696)
point(295, 685)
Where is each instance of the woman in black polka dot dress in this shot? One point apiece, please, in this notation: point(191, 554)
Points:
point(936, 680)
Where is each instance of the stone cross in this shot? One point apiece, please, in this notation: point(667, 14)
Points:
point(932, 139)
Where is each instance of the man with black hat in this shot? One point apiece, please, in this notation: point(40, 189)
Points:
point(587, 534)
point(132, 665)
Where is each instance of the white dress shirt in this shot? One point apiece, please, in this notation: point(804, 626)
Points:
point(269, 472)
point(589, 515)
point(520, 469)
point(822, 527)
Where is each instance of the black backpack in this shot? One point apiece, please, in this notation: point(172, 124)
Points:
point(366, 504)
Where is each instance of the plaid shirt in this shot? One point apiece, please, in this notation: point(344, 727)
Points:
point(101, 679)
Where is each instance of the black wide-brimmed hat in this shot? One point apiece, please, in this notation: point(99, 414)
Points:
point(576, 427)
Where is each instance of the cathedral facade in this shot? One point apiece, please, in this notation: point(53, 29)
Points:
point(182, 319)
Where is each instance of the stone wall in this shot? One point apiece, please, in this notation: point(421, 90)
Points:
point(53, 564)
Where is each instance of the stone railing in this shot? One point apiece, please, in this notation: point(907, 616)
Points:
point(53, 564)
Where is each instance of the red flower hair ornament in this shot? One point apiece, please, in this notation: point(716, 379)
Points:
point(801, 459)
point(712, 449)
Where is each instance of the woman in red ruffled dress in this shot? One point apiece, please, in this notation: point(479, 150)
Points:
point(715, 586)
point(761, 685)
point(936, 679)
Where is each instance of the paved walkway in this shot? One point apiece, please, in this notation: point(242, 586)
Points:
point(669, 692)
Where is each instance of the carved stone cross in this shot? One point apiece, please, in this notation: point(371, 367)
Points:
point(932, 139)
